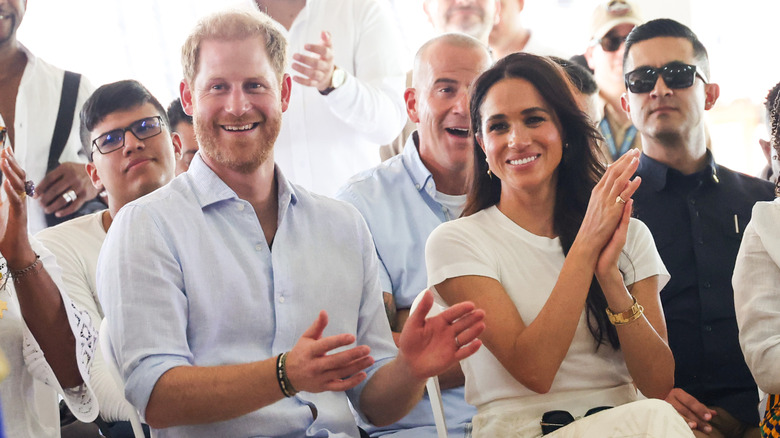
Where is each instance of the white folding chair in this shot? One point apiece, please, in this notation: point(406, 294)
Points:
point(113, 370)
point(432, 385)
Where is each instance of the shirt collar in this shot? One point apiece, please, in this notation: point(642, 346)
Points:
point(209, 188)
point(654, 173)
point(413, 163)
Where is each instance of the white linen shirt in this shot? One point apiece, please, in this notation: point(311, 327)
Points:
point(29, 394)
point(185, 277)
point(756, 297)
point(324, 140)
point(37, 105)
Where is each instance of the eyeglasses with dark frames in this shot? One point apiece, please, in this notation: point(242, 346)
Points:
point(676, 75)
point(142, 129)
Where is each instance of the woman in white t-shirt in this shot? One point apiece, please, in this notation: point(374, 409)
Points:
point(568, 281)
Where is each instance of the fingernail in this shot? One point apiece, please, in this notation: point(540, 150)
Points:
point(708, 416)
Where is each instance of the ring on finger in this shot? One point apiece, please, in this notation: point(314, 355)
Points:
point(69, 196)
point(29, 188)
point(620, 200)
point(457, 343)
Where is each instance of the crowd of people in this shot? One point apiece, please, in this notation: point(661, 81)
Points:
point(251, 266)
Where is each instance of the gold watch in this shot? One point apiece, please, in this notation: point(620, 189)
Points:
point(337, 79)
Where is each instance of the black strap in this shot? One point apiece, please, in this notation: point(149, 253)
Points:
point(70, 91)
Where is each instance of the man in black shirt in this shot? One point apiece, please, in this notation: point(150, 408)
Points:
point(697, 211)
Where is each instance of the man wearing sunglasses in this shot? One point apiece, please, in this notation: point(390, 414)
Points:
point(126, 129)
point(697, 211)
point(610, 24)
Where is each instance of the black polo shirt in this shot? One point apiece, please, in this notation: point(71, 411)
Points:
point(697, 222)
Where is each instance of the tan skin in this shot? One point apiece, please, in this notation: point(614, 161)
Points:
point(39, 298)
point(532, 353)
point(236, 78)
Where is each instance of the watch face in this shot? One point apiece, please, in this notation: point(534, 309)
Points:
point(339, 77)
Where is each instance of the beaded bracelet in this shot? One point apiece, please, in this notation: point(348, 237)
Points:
point(30, 270)
point(281, 376)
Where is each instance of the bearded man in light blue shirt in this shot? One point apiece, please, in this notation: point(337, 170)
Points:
point(407, 196)
point(259, 314)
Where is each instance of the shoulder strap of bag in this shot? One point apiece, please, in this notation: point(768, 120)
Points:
point(62, 128)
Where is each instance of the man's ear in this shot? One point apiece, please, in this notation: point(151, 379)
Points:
point(410, 96)
point(176, 140)
point(93, 176)
point(589, 56)
point(712, 92)
point(624, 104)
point(286, 89)
point(497, 17)
point(186, 97)
point(427, 11)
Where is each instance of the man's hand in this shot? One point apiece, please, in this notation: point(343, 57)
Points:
point(14, 243)
point(310, 368)
point(66, 177)
point(431, 346)
point(695, 413)
point(316, 70)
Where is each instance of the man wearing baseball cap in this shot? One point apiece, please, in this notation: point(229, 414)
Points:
point(610, 24)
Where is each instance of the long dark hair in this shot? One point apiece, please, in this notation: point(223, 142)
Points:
point(579, 171)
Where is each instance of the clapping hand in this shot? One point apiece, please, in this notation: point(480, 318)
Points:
point(316, 69)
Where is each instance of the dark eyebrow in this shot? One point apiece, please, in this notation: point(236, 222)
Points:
point(444, 81)
point(525, 112)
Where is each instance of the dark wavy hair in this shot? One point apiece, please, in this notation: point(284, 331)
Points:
point(579, 171)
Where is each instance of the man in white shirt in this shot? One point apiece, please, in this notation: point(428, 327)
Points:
point(474, 17)
point(349, 64)
point(30, 93)
point(128, 132)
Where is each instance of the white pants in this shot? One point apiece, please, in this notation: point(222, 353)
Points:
point(640, 419)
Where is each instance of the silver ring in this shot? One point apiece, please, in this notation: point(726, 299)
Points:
point(69, 196)
point(457, 342)
point(620, 200)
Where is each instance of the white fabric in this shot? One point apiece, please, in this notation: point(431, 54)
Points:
point(639, 419)
point(452, 205)
point(324, 140)
point(489, 244)
point(757, 297)
point(76, 244)
point(29, 394)
point(37, 104)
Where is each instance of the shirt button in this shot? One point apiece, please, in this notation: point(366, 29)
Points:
point(281, 300)
point(693, 202)
point(707, 328)
point(707, 284)
point(259, 247)
point(240, 207)
point(417, 186)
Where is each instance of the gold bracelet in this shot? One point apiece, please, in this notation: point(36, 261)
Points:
point(627, 317)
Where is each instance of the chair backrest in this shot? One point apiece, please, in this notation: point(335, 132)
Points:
point(432, 385)
point(113, 370)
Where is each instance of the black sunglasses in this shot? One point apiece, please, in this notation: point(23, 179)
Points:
point(676, 75)
point(610, 43)
point(142, 129)
point(554, 420)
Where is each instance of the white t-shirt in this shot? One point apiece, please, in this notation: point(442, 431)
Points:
point(76, 244)
point(490, 244)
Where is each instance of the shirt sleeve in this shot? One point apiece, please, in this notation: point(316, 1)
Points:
point(640, 258)
point(148, 331)
point(81, 399)
point(756, 279)
point(453, 250)
point(375, 91)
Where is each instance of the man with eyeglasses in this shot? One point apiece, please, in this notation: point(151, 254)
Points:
point(127, 130)
point(610, 24)
point(697, 211)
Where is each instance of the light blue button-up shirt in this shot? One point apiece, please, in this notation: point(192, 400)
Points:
point(186, 278)
point(398, 201)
